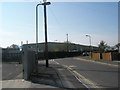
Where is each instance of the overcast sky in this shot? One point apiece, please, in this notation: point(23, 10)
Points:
point(98, 19)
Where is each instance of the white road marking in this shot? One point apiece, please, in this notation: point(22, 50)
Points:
point(55, 61)
point(86, 82)
point(72, 66)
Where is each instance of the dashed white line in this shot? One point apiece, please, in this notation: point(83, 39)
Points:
point(55, 61)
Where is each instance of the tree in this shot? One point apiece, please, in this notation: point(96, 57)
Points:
point(118, 46)
point(102, 46)
point(14, 46)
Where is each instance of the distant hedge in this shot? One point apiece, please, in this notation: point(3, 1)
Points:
point(115, 56)
point(54, 55)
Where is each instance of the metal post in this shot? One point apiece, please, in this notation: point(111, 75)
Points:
point(67, 42)
point(37, 39)
point(37, 28)
point(46, 44)
point(90, 44)
point(27, 42)
point(90, 48)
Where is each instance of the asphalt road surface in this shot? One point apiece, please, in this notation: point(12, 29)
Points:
point(100, 75)
point(11, 71)
point(92, 74)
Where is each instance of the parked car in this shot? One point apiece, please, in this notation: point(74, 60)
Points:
point(85, 54)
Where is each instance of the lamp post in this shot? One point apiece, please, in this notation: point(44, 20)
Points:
point(90, 42)
point(45, 23)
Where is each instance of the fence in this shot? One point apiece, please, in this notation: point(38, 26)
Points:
point(107, 56)
point(11, 57)
point(95, 55)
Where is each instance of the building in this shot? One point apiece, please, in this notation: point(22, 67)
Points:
point(61, 47)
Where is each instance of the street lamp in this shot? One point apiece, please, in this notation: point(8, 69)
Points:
point(45, 23)
point(90, 42)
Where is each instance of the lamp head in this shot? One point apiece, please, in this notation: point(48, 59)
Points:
point(46, 3)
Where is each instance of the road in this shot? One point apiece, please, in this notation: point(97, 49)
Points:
point(92, 74)
point(11, 71)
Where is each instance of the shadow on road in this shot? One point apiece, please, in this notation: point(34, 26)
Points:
point(56, 76)
point(47, 76)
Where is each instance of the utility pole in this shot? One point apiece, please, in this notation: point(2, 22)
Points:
point(21, 43)
point(90, 44)
point(67, 42)
point(37, 28)
point(27, 42)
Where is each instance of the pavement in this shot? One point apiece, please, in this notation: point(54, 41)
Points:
point(55, 76)
point(100, 61)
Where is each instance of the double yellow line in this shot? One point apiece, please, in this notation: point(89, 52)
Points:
point(86, 82)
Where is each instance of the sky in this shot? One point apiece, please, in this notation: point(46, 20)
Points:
point(97, 19)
